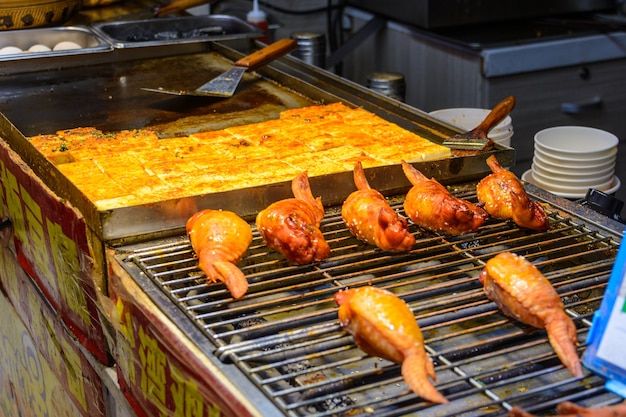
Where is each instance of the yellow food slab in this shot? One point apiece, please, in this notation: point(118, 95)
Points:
point(132, 167)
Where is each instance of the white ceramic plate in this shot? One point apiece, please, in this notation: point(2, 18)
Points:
point(597, 176)
point(573, 162)
point(565, 181)
point(578, 156)
point(575, 170)
point(610, 189)
point(578, 142)
point(551, 185)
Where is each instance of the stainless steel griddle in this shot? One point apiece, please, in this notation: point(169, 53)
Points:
point(113, 100)
point(284, 335)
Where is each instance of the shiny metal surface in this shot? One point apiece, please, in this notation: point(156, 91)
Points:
point(284, 335)
point(225, 84)
point(89, 41)
point(174, 30)
point(111, 99)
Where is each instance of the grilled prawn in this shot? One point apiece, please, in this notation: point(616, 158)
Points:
point(569, 409)
point(502, 195)
point(522, 292)
point(431, 206)
point(291, 226)
point(371, 219)
point(383, 325)
point(220, 238)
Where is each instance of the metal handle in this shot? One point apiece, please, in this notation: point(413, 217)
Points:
point(577, 108)
point(267, 54)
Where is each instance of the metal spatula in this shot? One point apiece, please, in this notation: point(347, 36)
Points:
point(477, 139)
point(224, 85)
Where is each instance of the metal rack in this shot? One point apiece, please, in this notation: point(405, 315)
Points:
point(285, 337)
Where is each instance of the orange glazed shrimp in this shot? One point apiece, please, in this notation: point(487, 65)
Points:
point(431, 206)
point(569, 409)
point(370, 218)
point(522, 292)
point(291, 226)
point(383, 325)
point(220, 238)
point(503, 197)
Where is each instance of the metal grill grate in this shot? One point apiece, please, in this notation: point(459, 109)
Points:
point(285, 336)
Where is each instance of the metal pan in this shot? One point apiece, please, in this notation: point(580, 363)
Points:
point(174, 31)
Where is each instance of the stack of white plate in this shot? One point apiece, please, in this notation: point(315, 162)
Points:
point(569, 160)
point(468, 118)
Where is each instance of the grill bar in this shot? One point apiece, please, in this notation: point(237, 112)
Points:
point(285, 337)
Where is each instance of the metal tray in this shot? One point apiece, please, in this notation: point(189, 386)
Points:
point(176, 30)
point(24, 39)
point(95, 48)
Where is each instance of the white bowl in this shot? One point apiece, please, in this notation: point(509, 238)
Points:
point(579, 156)
point(574, 193)
point(575, 142)
point(551, 185)
point(502, 137)
point(580, 169)
point(571, 181)
point(574, 174)
point(469, 118)
point(570, 162)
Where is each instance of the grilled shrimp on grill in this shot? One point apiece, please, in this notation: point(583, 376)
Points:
point(291, 226)
point(220, 238)
point(371, 219)
point(431, 206)
point(522, 292)
point(383, 325)
point(503, 197)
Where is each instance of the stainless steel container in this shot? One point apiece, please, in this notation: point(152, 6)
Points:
point(311, 48)
point(174, 30)
point(391, 84)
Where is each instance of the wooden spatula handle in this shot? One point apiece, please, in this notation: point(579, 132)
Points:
point(267, 54)
point(496, 115)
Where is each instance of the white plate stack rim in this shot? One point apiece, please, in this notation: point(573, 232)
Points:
point(570, 160)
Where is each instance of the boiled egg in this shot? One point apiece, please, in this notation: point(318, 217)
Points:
point(9, 50)
point(39, 48)
point(66, 45)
